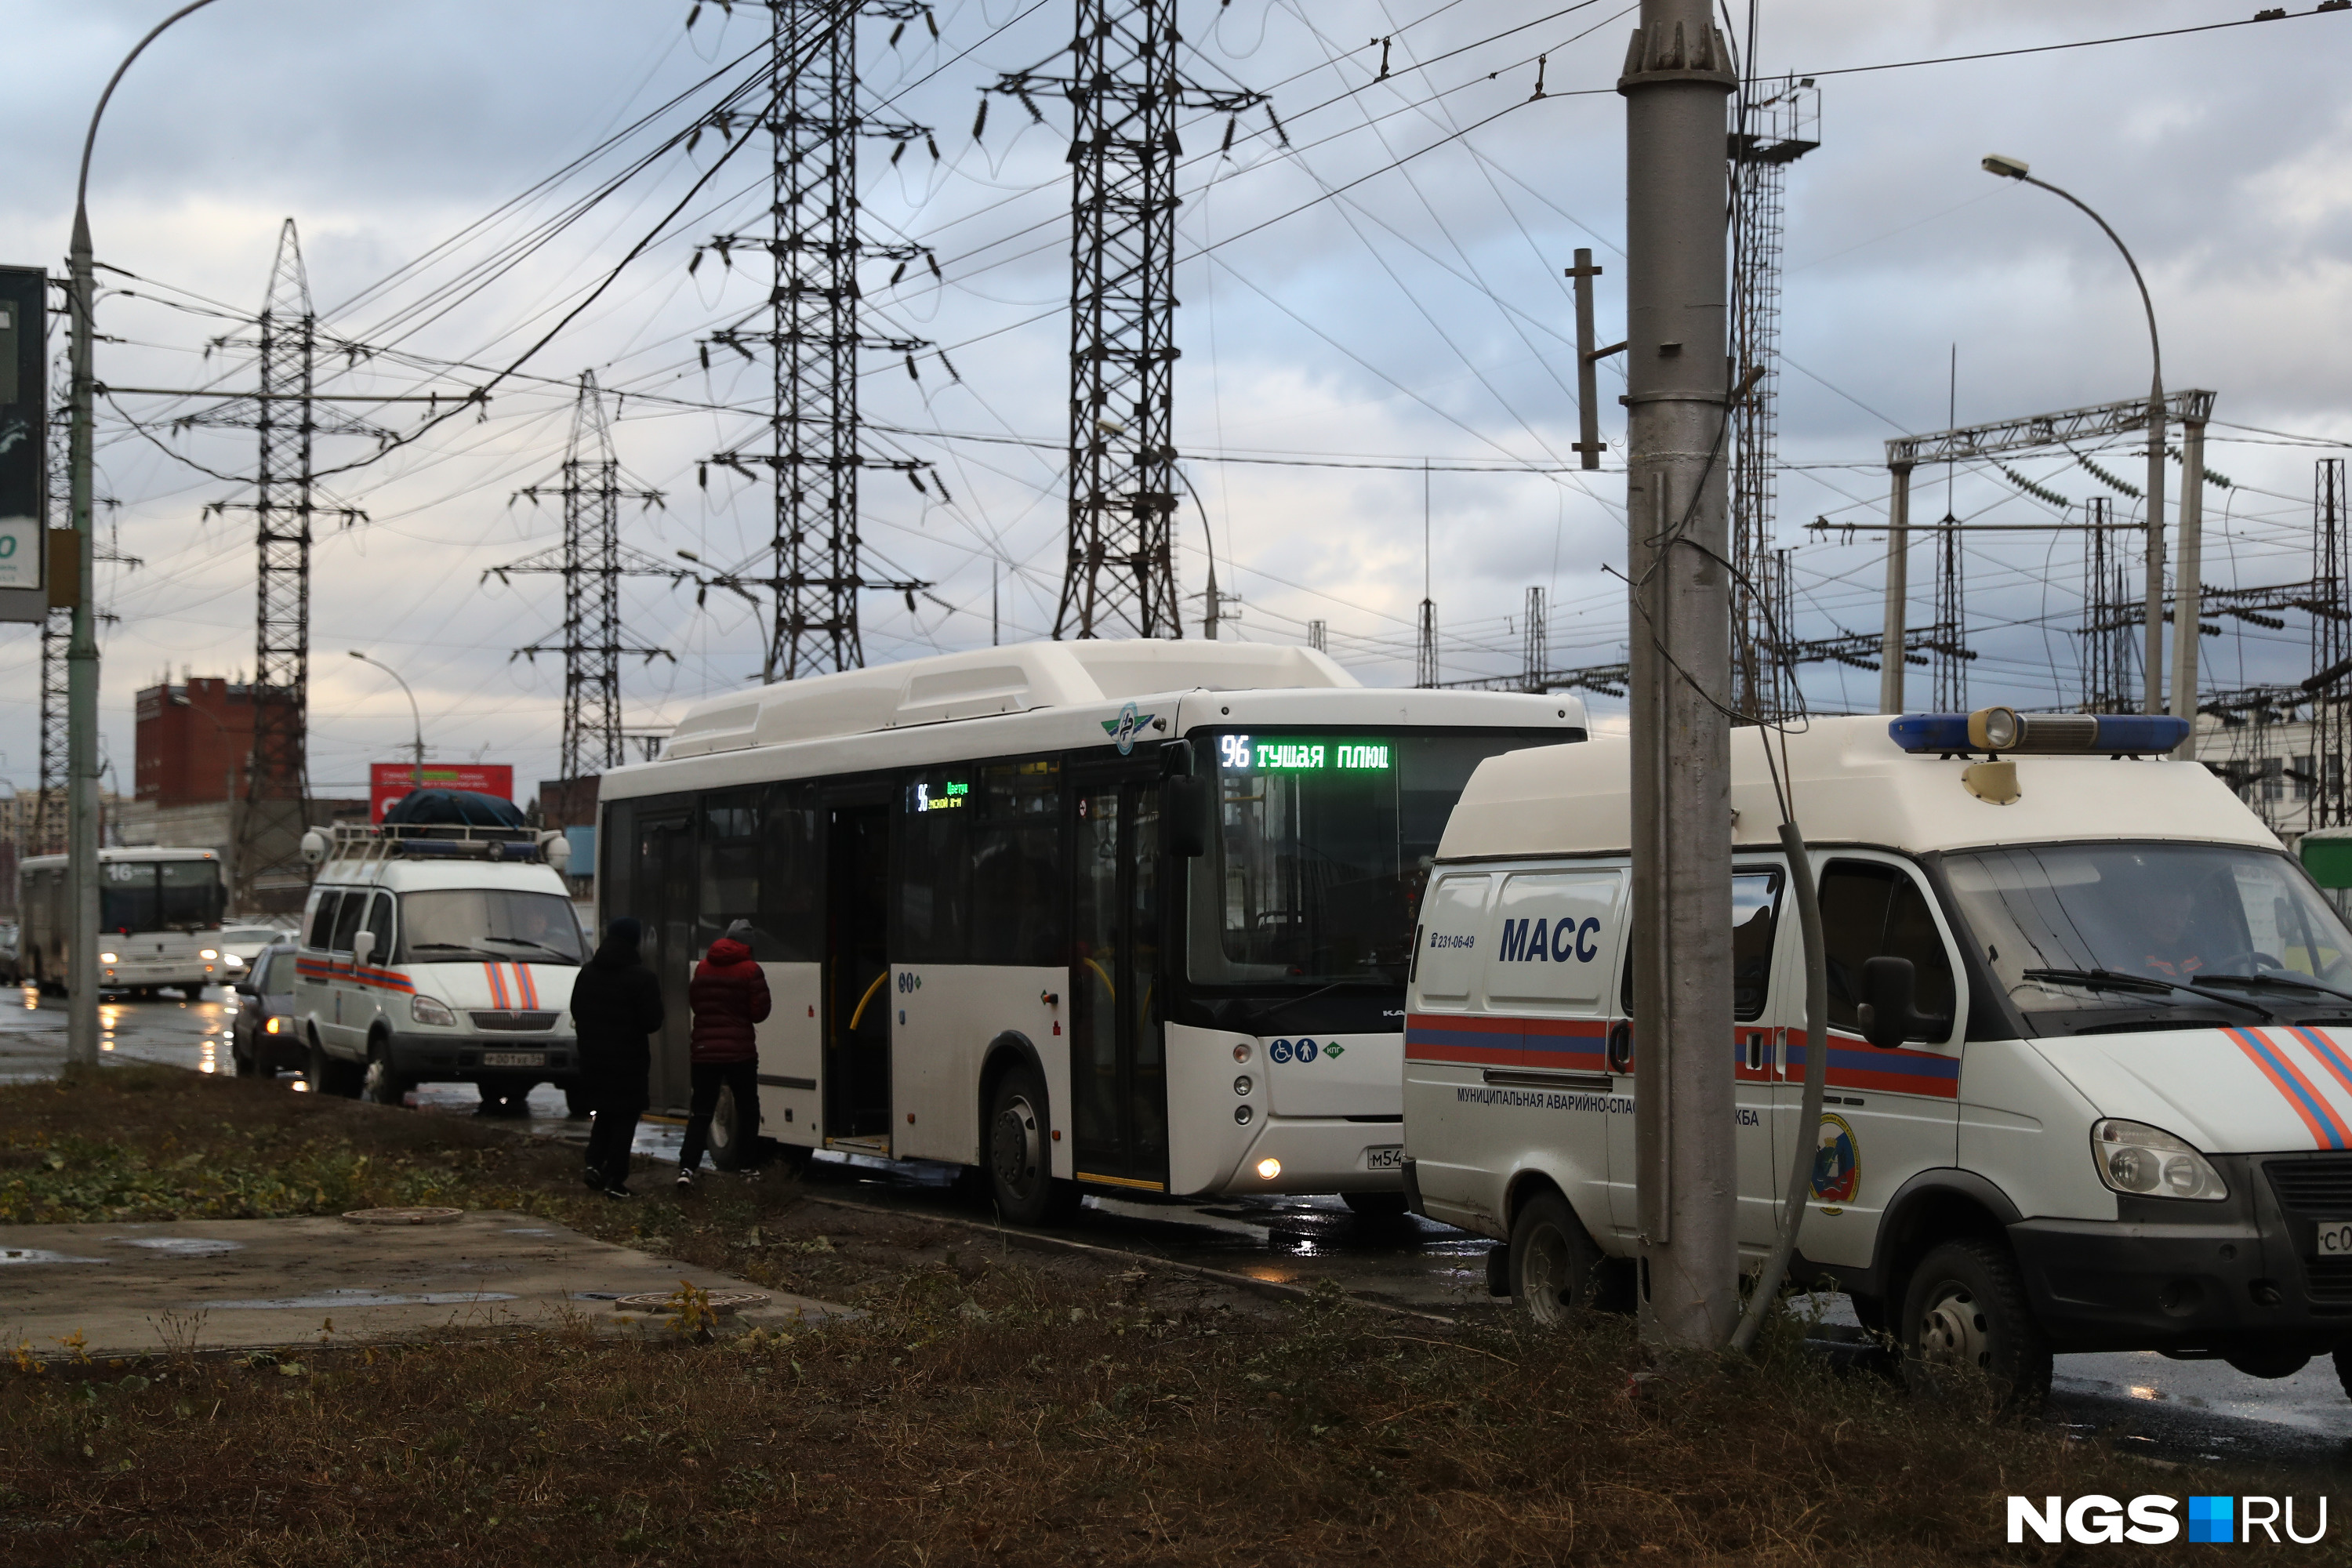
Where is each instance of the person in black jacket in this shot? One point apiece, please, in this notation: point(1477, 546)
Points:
point(616, 1003)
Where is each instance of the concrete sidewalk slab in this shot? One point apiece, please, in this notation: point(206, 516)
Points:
point(252, 1284)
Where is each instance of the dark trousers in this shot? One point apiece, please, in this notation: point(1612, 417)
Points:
point(616, 1097)
point(710, 1077)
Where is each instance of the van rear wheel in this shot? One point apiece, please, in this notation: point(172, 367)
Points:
point(1555, 1269)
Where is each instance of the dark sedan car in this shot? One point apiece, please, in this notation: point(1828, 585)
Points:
point(263, 1040)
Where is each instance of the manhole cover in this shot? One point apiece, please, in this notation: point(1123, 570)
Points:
point(403, 1217)
point(721, 1301)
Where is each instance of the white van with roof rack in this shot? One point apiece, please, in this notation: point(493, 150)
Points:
point(2089, 1052)
point(433, 953)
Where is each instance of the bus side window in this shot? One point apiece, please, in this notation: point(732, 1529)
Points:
point(934, 855)
point(729, 871)
point(1017, 876)
point(1869, 911)
point(322, 921)
point(347, 921)
point(791, 921)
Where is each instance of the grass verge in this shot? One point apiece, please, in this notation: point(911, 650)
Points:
point(989, 1407)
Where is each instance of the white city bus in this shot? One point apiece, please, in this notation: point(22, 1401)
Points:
point(158, 922)
point(1128, 915)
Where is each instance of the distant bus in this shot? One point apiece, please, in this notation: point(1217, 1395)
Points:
point(1125, 917)
point(159, 919)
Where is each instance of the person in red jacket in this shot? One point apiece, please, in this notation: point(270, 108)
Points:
point(729, 997)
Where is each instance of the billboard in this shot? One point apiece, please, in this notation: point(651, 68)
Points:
point(23, 444)
point(387, 782)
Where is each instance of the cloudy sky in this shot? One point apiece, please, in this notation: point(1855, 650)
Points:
point(1382, 291)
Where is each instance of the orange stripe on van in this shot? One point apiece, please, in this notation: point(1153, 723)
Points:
point(2328, 1129)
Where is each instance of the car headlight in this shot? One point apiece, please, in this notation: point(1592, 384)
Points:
point(430, 1010)
point(209, 952)
point(272, 1027)
point(234, 961)
point(2147, 1161)
point(106, 958)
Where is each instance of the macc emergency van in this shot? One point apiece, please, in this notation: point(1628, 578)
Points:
point(2109, 1101)
point(436, 954)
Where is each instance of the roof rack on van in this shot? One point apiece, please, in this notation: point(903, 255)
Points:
point(418, 841)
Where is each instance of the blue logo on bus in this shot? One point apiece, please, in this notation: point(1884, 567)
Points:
point(1305, 1050)
point(1280, 1050)
point(1124, 729)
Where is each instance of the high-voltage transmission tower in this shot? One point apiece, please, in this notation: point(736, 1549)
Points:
point(1780, 123)
point(44, 832)
point(269, 872)
point(2110, 655)
point(2331, 645)
point(815, 330)
point(1125, 89)
point(592, 560)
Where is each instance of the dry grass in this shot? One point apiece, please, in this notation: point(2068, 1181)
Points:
point(989, 1408)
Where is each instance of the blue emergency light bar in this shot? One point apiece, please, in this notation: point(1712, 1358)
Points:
point(1994, 730)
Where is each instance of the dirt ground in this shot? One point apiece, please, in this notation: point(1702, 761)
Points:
point(990, 1404)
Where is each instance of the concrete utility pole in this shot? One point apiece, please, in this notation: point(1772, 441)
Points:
point(1676, 75)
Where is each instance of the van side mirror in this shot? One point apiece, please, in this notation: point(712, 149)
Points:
point(363, 947)
point(1185, 807)
point(1888, 1011)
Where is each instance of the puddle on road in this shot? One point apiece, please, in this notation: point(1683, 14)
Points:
point(40, 1254)
point(179, 1246)
point(330, 1299)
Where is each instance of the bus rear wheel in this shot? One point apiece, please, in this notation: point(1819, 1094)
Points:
point(734, 1127)
point(1019, 1162)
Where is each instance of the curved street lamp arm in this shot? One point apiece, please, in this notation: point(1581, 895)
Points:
point(2155, 348)
point(81, 185)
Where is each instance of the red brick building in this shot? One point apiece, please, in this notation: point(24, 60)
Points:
point(195, 743)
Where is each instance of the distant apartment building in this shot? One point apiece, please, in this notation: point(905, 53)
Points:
point(194, 748)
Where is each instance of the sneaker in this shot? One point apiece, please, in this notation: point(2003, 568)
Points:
point(685, 1178)
point(596, 1183)
point(618, 1191)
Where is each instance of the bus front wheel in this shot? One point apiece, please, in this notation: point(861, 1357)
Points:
point(1019, 1162)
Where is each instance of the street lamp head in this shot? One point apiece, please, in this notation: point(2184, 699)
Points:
point(357, 654)
point(2007, 168)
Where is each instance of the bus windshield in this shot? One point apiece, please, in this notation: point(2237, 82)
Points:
point(160, 895)
point(458, 924)
point(2073, 928)
point(1324, 842)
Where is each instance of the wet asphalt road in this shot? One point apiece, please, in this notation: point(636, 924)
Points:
point(2143, 1403)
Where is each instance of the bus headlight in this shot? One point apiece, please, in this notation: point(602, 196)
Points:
point(1242, 1085)
point(430, 1010)
point(209, 952)
point(1240, 1115)
point(2147, 1161)
point(1241, 1050)
point(1268, 1169)
point(107, 958)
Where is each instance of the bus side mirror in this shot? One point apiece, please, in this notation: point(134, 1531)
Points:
point(1887, 1013)
point(1184, 809)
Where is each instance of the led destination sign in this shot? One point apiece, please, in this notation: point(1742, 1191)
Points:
point(1255, 753)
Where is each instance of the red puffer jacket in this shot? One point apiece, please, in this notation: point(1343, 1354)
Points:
point(728, 995)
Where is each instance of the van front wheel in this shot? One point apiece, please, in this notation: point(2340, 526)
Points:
point(1965, 1321)
point(1555, 1268)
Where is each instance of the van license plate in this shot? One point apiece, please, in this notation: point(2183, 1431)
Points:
point(1391, 1157)
point(2336, 1238)
point(514, 1058)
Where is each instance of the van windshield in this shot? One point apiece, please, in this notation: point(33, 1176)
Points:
point(2070, 927)
point(1323, 844)
point(450, 925)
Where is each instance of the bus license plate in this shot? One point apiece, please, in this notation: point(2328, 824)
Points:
point(2336, 1238)
point(1391, 1157)
point(514, 1058)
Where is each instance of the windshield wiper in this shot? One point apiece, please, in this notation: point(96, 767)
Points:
point(2115, 980)
point(526, 941)
point(2292, 982)
point(448, 947)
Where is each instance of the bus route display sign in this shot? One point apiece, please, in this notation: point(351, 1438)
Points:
point(1264, 754)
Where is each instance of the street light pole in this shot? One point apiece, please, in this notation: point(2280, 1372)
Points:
point(1678, 543)
point(81, 651)
point(2152, 663)
point(417, 777)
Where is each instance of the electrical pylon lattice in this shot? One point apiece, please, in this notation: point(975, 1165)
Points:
point(592, 560)
point(815, 330)
point(1125, 89)
point(1782, 123)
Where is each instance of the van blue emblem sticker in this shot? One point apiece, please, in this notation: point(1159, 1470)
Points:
point(1837, 1163)
point(1124, 729)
